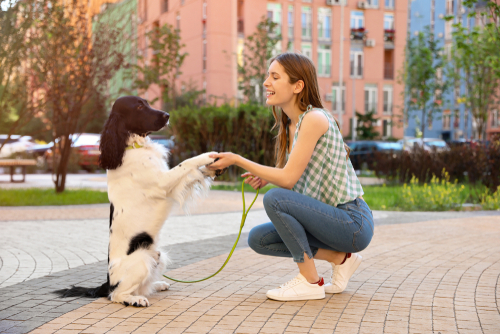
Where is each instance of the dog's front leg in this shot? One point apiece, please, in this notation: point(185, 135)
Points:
point(171, 178)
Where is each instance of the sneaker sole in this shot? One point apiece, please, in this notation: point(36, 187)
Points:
point(354, 267)
point(287, 299)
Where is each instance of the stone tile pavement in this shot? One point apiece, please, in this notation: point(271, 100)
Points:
point(432, 277)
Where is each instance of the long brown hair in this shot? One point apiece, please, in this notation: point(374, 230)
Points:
point(297, 67)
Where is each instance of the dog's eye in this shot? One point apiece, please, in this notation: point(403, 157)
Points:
point(140, 106)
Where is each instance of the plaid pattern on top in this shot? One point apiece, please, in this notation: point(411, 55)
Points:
point(329, 176)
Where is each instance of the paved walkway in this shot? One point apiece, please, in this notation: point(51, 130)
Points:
point(423, 273)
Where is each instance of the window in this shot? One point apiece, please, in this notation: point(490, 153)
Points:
point(357, 20)
point(448, 29)
point(324, 60)
point(370, 98)
point(324, 23)
point(164, 6)
point(306, 22)
point(372, 3)
point(388, 100)
point(389, 4)
point(494, 119)
point(386, 128)
point(204, 10)
point(446, 120)
point(178, 22)
point(274, 14)
point(290, 47)
point(204, 55)
point(356, 64)
point(290, 21)
point(450, 7)
point(307, 50)
point(456, 123)
point(388, 21)
point(335, 99)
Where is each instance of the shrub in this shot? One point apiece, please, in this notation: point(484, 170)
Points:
point(245, 130)
point(438, 195)
point(491, 201)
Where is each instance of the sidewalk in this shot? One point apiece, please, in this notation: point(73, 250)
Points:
point(424, 272)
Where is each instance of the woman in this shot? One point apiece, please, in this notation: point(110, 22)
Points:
point(318, 211)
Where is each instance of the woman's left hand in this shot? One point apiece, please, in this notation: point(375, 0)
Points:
point(226, 159)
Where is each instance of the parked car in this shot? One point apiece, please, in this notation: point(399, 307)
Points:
point(428, 144)
point(86, 146)
point(16, 144)
point(363, 152)
point(168, 143)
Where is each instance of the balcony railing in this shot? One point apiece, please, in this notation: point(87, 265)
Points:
point(358, 34)
point(389, 35)
point(389, 71)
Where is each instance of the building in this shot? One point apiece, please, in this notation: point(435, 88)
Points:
point(374, 38)
point(455, 122)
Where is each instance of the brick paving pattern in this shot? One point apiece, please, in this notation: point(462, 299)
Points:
point(430, 277)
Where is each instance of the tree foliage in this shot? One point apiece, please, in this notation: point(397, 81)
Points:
point(163, 67)
point(475, 56)
point(426, 80)
point(257, 50)
point(69, 67)
point(365, 128)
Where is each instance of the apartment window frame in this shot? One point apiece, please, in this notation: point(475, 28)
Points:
point(204, 57)
point(274, 12)
point(388, 100)
point(389, 4)
point(306, 22)
point(388, 21)
point(335, 93)
point(446, 120)
point(357, 19)
point(448, 30)
point(164, 6)
point(356, 63)
point(324, 24)
point(495, 123)
point(290, 20)
point(373, 3)
point(386, 128)
point(306, 49)
point(324, 61)
point(371, 98)
point(450, 7)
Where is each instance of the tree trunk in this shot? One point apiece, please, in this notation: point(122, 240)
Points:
point(63, 164)
point(423, 121)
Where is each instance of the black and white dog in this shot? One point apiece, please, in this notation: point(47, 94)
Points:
point(142, 191)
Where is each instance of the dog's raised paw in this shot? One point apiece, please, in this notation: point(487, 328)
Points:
point(138, 301)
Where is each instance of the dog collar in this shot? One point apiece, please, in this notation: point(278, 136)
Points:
point(134, 145)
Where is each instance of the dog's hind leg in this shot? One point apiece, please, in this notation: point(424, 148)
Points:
point(131, 274)
point(154, 283)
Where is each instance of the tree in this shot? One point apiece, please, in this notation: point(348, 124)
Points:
point(365, 126)
point(257, 50)
point(69, 65)
point(426, 81)
point(475, 55)
point(16, 110)
point(163, 68)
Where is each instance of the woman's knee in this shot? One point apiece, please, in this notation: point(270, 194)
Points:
point(273, 197)
point(257, 236)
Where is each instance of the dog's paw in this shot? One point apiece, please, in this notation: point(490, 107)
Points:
point(161, 286)
point(203, 159)
point(137, 301)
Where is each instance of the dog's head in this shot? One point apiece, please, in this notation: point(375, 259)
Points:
point(129, 115)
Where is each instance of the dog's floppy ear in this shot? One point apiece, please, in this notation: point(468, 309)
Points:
point(113, 142)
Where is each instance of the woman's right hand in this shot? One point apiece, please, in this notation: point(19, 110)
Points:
point(254, 181)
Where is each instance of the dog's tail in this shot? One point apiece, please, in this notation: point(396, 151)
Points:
point(77, 291)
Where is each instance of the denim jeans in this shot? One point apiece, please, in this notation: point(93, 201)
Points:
point(301, 224)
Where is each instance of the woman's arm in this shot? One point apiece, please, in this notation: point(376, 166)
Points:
point(313, 126)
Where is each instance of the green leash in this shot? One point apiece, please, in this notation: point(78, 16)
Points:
point(243, 218)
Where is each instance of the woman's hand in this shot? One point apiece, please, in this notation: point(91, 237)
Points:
point(225, 160)
point(254, 181)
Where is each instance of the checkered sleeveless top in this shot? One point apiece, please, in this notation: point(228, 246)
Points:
point(329, 176)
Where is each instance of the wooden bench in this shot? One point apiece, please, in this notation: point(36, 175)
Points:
point(13, 163)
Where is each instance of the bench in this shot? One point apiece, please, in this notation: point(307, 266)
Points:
point(13, 163)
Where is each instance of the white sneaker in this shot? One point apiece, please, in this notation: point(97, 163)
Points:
point(297, 289)
point(342, 273)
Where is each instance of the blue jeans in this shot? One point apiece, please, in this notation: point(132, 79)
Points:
point(301, 224)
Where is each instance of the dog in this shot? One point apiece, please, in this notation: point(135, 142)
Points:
point(141, 190)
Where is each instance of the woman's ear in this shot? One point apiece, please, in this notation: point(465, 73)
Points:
point(113, 142)
point(299, 86)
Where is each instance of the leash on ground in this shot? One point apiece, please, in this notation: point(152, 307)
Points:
point(243, 218)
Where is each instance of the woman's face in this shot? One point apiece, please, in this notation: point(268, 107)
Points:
point(279, 90)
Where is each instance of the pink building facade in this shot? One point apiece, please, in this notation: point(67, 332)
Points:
point(374, 38)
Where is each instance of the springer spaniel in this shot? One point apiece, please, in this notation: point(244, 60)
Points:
point(141, 190)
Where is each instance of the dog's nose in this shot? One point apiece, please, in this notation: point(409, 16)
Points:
point(165, 115)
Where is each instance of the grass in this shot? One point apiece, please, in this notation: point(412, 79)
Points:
point(39, 197)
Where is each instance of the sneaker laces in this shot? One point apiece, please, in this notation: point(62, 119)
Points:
point(291, 282)
point(335, 269)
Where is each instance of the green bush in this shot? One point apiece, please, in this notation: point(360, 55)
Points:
point(245, 130)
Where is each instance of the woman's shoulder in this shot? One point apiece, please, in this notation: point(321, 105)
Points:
point(315, 118)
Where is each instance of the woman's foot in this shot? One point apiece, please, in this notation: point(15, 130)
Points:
point(341, 273)
point(298, 289)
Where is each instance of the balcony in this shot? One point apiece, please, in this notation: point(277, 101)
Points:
point(358, 34)
point(241, 26)
point(389, 35)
